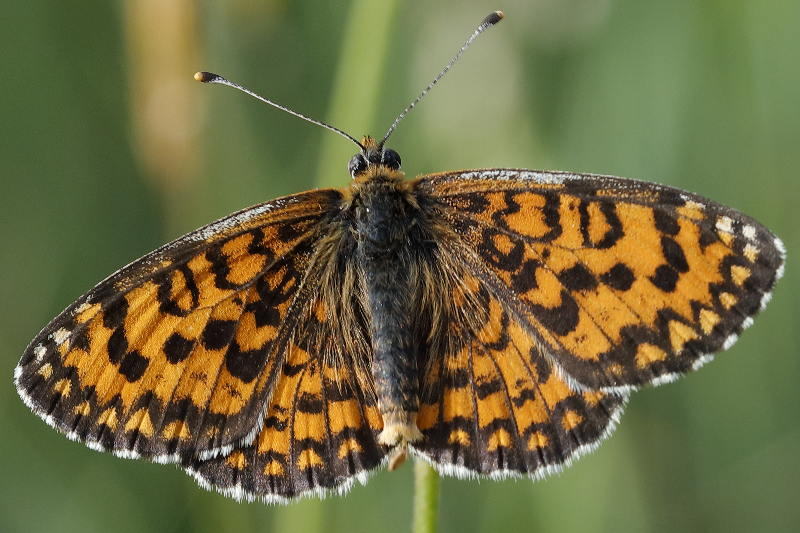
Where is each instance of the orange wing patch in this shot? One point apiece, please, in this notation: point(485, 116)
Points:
point(624, 282)
point(176, 353)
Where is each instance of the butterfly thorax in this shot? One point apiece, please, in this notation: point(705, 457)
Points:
point(384, 217)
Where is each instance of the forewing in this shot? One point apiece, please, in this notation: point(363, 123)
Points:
point(622, 282)
point(175, 354)
point(320, 432)
point(495, 406)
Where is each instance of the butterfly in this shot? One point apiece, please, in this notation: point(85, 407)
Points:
point(490, 322)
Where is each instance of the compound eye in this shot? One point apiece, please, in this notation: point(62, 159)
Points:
point(391, 159)
point(357, 165)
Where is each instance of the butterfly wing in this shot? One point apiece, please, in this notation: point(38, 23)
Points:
point(322, 422)
point(320, 434)
point(621, 282)
point(494, 404)
point(176, 353)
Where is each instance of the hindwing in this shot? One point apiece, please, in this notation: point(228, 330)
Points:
point(494, 405)
point(322, 420)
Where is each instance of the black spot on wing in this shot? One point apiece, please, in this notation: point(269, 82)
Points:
point(218, 333)
point(245, 365)
point(666, 222)
point(458, 378)
point(665, 278)
point(619, 277)
point(292, 370)
point(524, 396)
point(524, 279)
point(133, 366)
point(561, 319)
point(309, 403)
point(220, 268)
point(115, 312)
point(674, 255)
point(264, 315)
point(577, 278)
point(81, 340)
point(275, 422)
point(487, 388)
point(117, 345)
point(177, 348)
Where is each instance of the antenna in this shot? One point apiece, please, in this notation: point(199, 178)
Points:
point(210, 77)
point(490, 20)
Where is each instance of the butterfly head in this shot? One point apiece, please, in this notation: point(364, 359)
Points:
point(372, 155)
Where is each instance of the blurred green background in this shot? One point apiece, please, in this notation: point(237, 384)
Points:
point(109, 148)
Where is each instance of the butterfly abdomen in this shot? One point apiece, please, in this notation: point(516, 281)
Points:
point(384, 220)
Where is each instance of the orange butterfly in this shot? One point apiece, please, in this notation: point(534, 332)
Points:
point(491, 322)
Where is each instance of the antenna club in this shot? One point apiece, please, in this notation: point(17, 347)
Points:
point(493, 18)
point(206, 77)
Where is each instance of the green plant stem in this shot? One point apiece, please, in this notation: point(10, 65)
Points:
point(426, 498)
